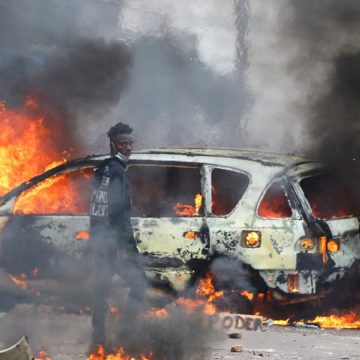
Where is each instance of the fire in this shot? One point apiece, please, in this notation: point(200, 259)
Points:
point(248, 294)
point(42, 356)
point(119, 355)
point(281, 322)
point(18, 280)
point(206, 287)
point(113, 310)
point(191, 235)
point(206, 294)
point(83, 235)
point(346, 321)
point(189, 210)
point(30, 143)
point(58, 195)
point(27, 145)
point(159, 312)
point(322, 248)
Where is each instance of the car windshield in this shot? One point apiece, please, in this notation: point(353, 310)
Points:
point(329, 197)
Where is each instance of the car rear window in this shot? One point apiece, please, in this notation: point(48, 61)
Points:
point(274, 204)
point(329, 197)
point(227, 188)
point(68, 193)
point(165, 191)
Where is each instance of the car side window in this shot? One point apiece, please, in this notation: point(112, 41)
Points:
point(68, 193)
point(165, 190)
point(274, 204)
point(329, 197)
point(227, 188)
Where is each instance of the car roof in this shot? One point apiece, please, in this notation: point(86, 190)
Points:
point(266, 158)
point(256, 155)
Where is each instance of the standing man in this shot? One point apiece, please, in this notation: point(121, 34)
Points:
point(111, 229)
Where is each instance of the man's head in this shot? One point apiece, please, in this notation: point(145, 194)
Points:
point(121, 139)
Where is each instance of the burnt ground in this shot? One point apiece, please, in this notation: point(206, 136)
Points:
point(66, 337)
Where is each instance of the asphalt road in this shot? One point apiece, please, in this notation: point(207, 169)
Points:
point(66, 337)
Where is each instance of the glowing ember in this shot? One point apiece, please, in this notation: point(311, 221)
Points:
point(322, 248)
point(191, 235)
point(248, 294)
point(27, 145)
point(189, 210)
point(119, 355)
point(189, 303)
point(35, 272)
point(159, 312)
point(42, 356)
point(83, 235)
point(113, 310)
point(18, 281)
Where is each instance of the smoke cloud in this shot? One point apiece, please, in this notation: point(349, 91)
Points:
point(328, 67)
point(70, 69)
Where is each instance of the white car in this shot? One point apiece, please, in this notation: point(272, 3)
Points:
point(290, 221)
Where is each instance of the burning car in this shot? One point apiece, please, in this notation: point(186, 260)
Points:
point(289, 221)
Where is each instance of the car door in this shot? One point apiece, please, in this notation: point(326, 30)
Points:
point(328, 200)
point(251, 222)
point(167, 210)
point(49, 224)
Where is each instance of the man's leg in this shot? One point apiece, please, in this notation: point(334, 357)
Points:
point(103, 272)
point(131, 270)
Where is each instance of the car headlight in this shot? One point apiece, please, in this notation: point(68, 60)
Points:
point(251, 239)
point(306, 244)
point(333, 245)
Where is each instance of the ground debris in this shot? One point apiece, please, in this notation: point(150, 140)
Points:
point(236, 335)
point(237, 348)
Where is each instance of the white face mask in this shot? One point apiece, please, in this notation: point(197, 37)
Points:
point(123, 158)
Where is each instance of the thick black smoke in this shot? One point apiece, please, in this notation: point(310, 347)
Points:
point(51, 51)
point(181, 334)
point(327, 33)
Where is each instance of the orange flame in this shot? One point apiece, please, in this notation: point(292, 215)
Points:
point(206, 293)
point(119, 355)
point(113, 310)
point(248, 294)
point(58, 195)
point(27, 145)
point(159, 312)
point(346, 321)
point(42, 356)
point(83, 235)
point(18, 281)
point(30, 143)
point(189, 210)
point(191, 235)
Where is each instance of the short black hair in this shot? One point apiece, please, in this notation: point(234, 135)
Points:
point(119, 128)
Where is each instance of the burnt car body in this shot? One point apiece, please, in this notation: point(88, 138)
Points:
point(287, 219)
